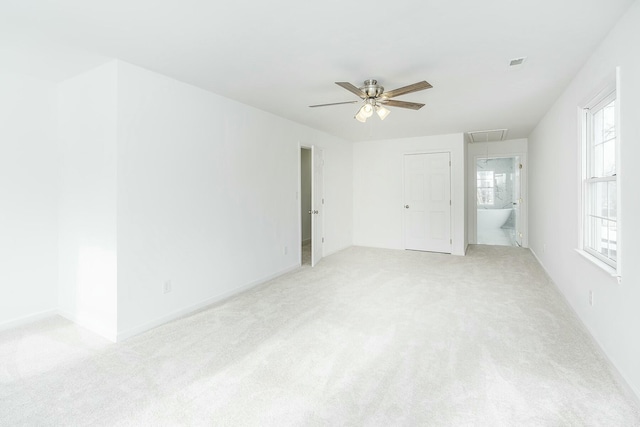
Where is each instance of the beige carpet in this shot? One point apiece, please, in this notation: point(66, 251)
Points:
point(306, 254)
point(368, 337)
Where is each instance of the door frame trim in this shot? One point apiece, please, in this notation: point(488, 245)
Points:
point(317, 152)
point(473, 202)
point(301, 145)
point(310, 147)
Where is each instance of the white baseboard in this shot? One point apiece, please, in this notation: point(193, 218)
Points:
point(25, 320)
point(631, 393)
point(121, 336)
point(104, 332)
point(342, 248)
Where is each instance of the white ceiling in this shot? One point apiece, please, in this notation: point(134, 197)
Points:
point(283, 55)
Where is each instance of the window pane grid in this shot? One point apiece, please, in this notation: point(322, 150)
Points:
point(601, 239)
point(600, 184)
point(485, 187)
point(603, 138)
point(485, 196)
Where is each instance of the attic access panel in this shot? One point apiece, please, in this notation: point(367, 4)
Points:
point(488, 135)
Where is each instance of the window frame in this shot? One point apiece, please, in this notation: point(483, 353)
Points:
point(491, 186)
point(589, 182)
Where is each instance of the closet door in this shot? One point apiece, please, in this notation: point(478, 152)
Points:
point(427, 202)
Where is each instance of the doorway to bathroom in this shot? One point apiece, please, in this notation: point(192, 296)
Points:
point(499, 201)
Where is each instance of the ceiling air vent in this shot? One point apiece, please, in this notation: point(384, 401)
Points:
point(487, 135)
point(517, 62)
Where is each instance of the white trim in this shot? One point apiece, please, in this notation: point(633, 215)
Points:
point(29, 318)
point(599, 263)
point(619, 232)
point(299, 197)
point(608, 92)
point(121, 336)
point(524, 195)
point(342, 248)
point(105, 332)
point(314, 148)
point(620, 379)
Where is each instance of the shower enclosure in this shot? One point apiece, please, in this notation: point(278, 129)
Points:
point(498, 201)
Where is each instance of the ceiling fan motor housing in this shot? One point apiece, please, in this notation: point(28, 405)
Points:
point(372, 89)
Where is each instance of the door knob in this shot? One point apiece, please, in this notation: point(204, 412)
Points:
point(310, 212)
point(406, 206)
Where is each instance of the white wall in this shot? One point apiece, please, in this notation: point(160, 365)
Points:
point(377, 171)
point(305, 192)
point(614, 319)
point(28, 202)
point(207, 196)
point(120, 179)
point(87, 131)
point(509, 148)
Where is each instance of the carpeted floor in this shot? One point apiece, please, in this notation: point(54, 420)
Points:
point(368, 337)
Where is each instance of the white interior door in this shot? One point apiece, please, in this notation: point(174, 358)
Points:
point(517, 199)
point(427, 202)
point(317, 205)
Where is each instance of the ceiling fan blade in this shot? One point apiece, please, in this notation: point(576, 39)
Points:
point(403, 104)
point(333, 103)
point(407, 89)
point(351, 88)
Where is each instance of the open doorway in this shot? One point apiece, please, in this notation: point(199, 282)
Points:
point(306, 178)
point(499, 199)
point(311, 205)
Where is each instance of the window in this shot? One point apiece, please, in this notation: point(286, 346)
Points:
point(600, 180)
point(486, 189)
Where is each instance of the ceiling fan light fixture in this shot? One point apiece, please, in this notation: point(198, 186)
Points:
point(382, 112)
point(374, 96)
point(364, 113)
point(367, 110)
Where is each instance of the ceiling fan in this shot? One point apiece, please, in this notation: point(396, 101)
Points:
point(375, 98)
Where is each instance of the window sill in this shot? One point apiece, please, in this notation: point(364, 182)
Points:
point(604, 266)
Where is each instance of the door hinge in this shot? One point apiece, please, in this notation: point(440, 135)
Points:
point(323, 201)
point(451, 241)
point(449, 162)
point(323, 240)
point(449, 202)
point(520, 166)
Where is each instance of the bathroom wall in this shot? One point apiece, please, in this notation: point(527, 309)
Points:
point(509, 148)
point(503, 196)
